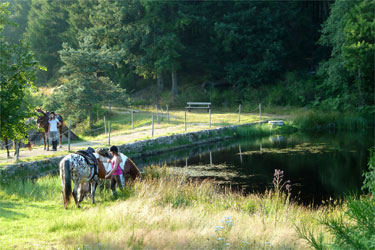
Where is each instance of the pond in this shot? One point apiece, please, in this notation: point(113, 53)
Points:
point(319, 167)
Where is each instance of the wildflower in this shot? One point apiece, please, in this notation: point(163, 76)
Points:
point(220, 239)
point(218, 228)
point(245, 242)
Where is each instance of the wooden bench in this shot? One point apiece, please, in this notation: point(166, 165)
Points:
point(198, 105)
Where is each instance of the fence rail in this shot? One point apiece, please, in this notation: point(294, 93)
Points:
point(159, 113)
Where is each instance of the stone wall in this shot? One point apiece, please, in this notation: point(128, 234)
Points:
point(136, 149)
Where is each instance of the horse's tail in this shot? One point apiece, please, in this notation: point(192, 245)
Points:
point(67, 184)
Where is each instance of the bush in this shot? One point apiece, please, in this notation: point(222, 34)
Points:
point(354, 229)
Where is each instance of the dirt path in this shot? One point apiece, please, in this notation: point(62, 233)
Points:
point(141, 133)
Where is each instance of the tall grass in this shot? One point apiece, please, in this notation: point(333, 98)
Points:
point(332, 121)
point(163, 211)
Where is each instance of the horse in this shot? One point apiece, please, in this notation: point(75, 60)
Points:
point(75, 167)
point(43, 123)
point(102, 155)
point(127, 165)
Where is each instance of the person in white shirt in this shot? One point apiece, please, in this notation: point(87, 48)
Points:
point(52, 129)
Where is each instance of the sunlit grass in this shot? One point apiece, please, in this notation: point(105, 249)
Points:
point(163, 211)
point(121, 125)
point(121, 122)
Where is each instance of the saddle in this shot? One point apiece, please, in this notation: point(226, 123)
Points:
point(90, 158)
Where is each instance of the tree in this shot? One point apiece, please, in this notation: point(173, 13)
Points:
point(251, 35)
point(86, 86)
point(47, 30)
point(359, 47)
point(349, 72)
point(17, 73)
point(20, 10)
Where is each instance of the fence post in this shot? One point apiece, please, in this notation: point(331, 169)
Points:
point(69, 137)
point(17, 148)
point(210, 117)
point(132, 119)
point(185, 120)
point(152, 125)
point(239, 114)
point(157, 113)
point(211, 158)
point(167, 112)
point(105, 126)
point(260, 111)
point(239, 148)
point(109, 133)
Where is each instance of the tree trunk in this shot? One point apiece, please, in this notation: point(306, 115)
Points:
point(174, 83)
point(7, 146)
point(90, 118)
point(160, 83)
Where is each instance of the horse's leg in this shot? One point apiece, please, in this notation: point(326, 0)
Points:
point(76, 185)
point(44, 139)
point(81, 193)
point(94, 184)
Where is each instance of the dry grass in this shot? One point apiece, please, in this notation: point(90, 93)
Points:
point(163, 211)
point(169, 212)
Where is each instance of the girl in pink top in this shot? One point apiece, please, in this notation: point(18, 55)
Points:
point(116, 170)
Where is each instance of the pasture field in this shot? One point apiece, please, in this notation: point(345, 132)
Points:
point(163, 211)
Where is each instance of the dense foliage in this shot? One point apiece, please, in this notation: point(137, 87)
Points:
point(17, 72)
point(301, 53)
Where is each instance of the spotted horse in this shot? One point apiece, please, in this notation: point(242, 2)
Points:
point(76, 167)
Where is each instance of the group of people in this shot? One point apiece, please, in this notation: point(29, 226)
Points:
point(116, 172)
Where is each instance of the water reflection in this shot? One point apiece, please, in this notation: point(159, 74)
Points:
point(319, 167)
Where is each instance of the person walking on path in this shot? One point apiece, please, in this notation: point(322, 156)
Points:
point(116, 171)
point(52, 129)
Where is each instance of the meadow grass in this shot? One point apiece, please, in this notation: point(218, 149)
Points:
point(163, 211)
point(121, 122)
point(320, 121)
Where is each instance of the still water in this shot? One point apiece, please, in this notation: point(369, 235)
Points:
point(319, 167)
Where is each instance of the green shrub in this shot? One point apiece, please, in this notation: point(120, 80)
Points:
point(369, 182)
point(354, 229)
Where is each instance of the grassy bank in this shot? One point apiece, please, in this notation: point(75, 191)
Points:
point(163, 211)
point(332, 121)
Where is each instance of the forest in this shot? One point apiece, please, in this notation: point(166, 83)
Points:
point(312, 54)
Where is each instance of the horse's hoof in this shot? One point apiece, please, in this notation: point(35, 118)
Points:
point(47, 149)
point(60, 146)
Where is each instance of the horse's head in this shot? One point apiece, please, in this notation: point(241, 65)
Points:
point(42, 119)
point(104, 152)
